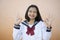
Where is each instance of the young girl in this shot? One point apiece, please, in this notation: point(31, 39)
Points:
point(33, 28)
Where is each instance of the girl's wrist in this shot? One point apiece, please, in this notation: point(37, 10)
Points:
point(16, 26)
point(49, 29)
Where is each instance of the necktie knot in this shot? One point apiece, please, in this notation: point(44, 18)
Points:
point(30, 30)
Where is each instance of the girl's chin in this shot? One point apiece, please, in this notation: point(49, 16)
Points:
point(32, 18)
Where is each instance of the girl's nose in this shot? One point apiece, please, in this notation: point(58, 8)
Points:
point(32, 12)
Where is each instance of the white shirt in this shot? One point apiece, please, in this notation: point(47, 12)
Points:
point(40, 32)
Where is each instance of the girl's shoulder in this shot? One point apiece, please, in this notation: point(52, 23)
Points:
point(42, 23)
point(25, 22)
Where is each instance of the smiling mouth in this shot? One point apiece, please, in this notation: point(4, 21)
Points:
point(31, 16)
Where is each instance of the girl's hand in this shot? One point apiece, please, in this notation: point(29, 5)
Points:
point(18, 20)
point(48, 23)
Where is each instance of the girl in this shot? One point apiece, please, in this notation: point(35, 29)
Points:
point(33, 28)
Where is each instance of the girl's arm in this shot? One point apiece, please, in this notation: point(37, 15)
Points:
point(17, 32)
point(46, 32)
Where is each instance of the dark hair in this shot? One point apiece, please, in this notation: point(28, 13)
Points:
point(38, 17)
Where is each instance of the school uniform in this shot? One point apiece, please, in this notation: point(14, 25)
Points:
point(36, 31)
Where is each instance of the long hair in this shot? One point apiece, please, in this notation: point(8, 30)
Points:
point(38, 17)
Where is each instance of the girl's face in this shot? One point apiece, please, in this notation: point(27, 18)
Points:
point(32, 13)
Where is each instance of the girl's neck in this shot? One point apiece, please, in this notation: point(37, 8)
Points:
point(31, 22)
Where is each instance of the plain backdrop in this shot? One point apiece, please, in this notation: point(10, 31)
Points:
point(10, 9)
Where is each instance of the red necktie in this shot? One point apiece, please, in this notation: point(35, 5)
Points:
point(30, 30)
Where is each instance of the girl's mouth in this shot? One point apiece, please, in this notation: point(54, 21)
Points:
point(31, 15)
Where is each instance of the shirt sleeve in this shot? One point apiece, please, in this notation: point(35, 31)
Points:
point(46, 34)
point(17, 32)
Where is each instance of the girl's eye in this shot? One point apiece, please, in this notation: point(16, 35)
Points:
point(30, 11)
point(33, 11)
